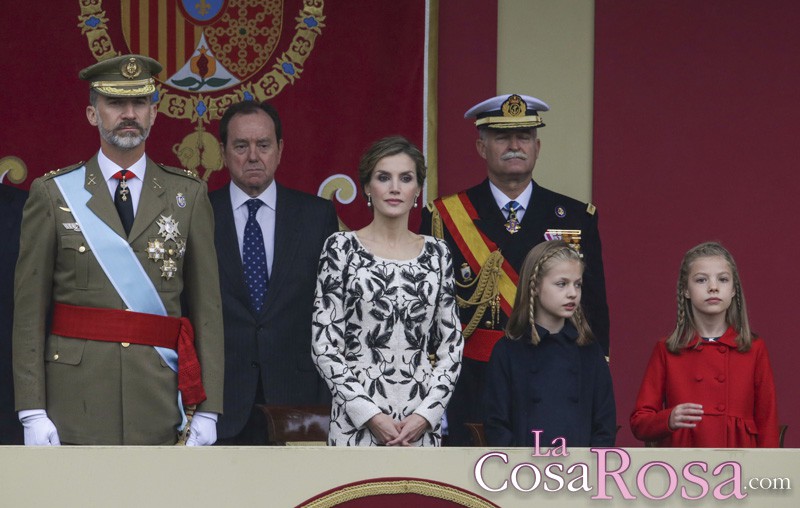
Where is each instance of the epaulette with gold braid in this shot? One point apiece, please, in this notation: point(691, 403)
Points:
point(179, 171)
point(437, 226)
point(51, 174)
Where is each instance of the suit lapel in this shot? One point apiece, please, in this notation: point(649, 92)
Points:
point(101, 203)
point(288, 218)
point(228, 245)
point(151, 203)
point(490, 219)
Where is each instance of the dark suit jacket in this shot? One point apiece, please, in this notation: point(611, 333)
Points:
point(277, 341)
point(11, 202)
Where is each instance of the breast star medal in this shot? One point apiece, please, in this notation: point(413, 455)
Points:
point(168, 228)
point(167, 249)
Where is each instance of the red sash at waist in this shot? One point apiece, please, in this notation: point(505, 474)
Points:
point(479, 345)
point(113, 325)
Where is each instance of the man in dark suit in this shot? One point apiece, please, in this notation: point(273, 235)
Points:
point(11, 201)
point(268, 241)
point(491, 227)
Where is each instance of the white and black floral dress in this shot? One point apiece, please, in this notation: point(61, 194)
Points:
point(375, 322)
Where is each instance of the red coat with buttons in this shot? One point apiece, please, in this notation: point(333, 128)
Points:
point(736, 390)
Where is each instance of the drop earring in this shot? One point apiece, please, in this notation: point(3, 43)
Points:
point(415, 201)
point(369, 200)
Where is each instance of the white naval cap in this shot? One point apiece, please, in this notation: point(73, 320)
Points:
point(509, 111)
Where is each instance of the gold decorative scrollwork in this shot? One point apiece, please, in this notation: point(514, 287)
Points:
point(14, 167)
point(340, 186)
point(199, 149)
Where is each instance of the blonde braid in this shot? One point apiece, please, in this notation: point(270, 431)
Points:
point(535, 339)
point(585, 335)
point(534, 282)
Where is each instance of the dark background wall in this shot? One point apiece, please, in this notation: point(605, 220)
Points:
point(695, 139)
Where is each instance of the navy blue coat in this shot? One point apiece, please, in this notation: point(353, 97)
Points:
point(558, 387)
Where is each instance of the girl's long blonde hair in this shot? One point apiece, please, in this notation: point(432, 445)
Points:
point(735, 316)
point(536, 265)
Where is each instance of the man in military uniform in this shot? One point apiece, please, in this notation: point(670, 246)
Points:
point(491, 227)
point(117, 254)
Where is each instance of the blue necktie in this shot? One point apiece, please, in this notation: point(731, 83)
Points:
point(254, 257)
point(512, 224)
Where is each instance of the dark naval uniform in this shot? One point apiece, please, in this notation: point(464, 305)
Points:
point(112, 393)
point(547, 210)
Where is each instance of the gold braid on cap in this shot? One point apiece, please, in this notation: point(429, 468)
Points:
point(510, 121)
point(142, 87)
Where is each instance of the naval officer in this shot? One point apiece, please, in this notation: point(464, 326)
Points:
point(491, 227)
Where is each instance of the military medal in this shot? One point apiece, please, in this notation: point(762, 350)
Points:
point(512, 224)
point(168, 228)
point(180, 246)
point(155, 250)
point(180, 200)
point(571, 236)
point(169, 268)
point(123, 188)
point(466, 272)
point(168, 248)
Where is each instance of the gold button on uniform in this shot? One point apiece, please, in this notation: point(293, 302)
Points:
point(125, 344)
point(55, 356)
point(82, 249)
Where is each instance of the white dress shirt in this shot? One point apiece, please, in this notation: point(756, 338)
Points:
point(110, 168)
point(265, 217)
point(502, 200)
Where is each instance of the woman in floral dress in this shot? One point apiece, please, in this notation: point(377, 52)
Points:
point(386, 334)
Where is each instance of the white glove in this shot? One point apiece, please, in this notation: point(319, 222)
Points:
point(39, 429)
point(203, 429)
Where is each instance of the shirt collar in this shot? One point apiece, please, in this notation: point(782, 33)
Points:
point(239, 197)
point(502, 200)
point(728, 338)
point(109, 168)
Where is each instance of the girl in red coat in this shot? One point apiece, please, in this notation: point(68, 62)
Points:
point(709, 384)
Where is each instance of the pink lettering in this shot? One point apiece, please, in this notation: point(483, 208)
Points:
point(616, 475)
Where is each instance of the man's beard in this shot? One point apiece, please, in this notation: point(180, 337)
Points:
point(126, 141)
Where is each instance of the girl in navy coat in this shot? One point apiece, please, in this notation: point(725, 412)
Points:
point(548, 374)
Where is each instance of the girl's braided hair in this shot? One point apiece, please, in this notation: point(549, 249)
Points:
point(735, 316)
point(536, 265)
